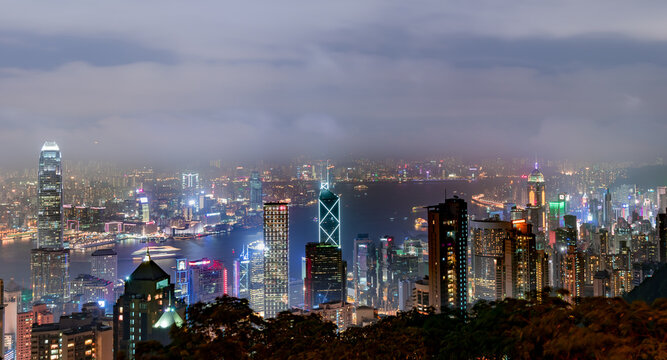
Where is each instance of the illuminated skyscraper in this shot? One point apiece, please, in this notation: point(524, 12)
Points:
point(143, 210)
point(447, 249)
point(276, 258)
point(190, 181)
point(329, 216)
point(487, 244)
point(256, 275)
point(325, 275)
point(146, 310)
point(520, 261)
point(50, 198)
point(255, 191)
point(537, 198)
point(365, 271)
point(49, 263)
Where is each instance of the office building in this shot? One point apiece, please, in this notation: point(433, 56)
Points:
point(255, 184)
point(537, 199)
point(50, 198)
point(87, 288)
point(104, 264)
point(365, 271)
point(447, 248)
point(329, 216)
point(207, 280)
point(325, 275)
point(276, 258)
point(50, 275)
point(607, 212)
point(146, 310)
point(49, 263)
point(256, 276)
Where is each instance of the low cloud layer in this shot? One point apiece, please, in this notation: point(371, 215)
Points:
point(156, 81)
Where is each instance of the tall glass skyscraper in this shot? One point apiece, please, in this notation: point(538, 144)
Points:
point(325, 275)
point(329, 216)
point(276, 258)
point(49, 263)
point(50, 198)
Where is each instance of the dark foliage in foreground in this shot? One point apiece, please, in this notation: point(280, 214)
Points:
point(597, 328)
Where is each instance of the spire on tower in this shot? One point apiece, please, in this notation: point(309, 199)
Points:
point(147, 257)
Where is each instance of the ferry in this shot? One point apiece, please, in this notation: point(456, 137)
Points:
point(361, 187)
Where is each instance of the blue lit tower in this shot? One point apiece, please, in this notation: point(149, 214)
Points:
point(447, 255)
point(329, 216)
point(50, 198)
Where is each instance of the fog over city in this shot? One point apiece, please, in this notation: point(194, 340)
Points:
point(175, 81)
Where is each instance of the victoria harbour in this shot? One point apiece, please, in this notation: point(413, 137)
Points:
point(372, 211)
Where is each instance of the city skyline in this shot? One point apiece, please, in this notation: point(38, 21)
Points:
point(349, 180)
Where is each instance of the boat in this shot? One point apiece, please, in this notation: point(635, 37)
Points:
point(360, 187)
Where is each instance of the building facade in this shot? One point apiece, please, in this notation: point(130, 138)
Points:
point(276, 258)
point(325, 275)
point(447, 248)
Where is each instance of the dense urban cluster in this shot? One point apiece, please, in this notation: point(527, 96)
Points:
point(505, 271)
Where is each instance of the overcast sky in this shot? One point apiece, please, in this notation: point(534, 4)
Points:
point(161, 80)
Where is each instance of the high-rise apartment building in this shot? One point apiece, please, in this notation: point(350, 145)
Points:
point(447, 248)
point(85, 335)
point(276, 258)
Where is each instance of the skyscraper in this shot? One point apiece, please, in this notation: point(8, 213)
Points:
point(325, 275)
point(487, 246)
point(255, 191)
point(276, 258)
point(146, 310)
point(447, 249)
point(329, 216)
point(50, 198)
point(537, 198)
point(49, 263)
point(607, 216)
point(365, 271)
point(256, 276)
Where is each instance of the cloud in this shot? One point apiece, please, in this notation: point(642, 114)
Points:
point(178, 81)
